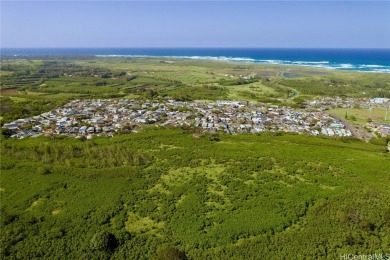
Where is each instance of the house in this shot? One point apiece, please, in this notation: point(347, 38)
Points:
point(22, 134)
point(315, 132)
point(140, 120)
point(83, 130)
point(380, 100)
point(107, 128)
point(11, 126)
point(73, 130)
point(45, 122)
point(230, 103)
point(37, 128)
point(91, 130)
point(330, 132)
point(336, 125)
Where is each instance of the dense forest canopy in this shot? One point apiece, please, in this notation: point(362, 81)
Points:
point(136, 195)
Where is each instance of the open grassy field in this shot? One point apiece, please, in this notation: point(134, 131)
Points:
point(251, 92)
point(16, 99)
point(361, 115)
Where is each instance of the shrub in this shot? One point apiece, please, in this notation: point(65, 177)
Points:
point(44, 170)
point(168, 252)
point(103, 241)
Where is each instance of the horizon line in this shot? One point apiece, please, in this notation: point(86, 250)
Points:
point(192, 47)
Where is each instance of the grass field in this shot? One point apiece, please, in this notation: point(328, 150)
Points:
point(16, 99)
point(251, 92)
point(362, 115)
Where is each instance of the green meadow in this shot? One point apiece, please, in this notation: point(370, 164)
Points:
point(362, 115)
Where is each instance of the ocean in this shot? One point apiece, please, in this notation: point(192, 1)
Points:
point(368, 60)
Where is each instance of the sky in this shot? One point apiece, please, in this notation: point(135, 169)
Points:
point(262, 24)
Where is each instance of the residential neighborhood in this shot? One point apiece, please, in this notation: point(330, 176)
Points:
point(106, 117)
point(380, 129)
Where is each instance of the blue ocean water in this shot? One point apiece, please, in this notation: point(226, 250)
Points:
point(369, 60)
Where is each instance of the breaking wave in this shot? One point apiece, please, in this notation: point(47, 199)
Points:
point(315, 64)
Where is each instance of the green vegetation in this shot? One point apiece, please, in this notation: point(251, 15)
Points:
point(35, 85)
point(362, 115)
point(168, 194)
point(343, 84)
point(163, 193)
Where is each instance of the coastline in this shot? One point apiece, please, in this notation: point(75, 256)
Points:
point(359, 60)
point(372, 68)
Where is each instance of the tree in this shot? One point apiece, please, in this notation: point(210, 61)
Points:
point(131, 78)
point(44, 170)
point(106, 76)
point(387, 217)
point(103, 241)
point(5, 132)
point(168, 252)
point(214, 137)
point(100, 83)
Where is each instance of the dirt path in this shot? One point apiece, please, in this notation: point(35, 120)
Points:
point(8, 91)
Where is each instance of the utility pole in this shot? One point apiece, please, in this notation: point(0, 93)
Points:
point(370, 112)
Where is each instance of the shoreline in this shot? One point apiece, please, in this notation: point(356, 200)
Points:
point(238, 60)
point(352, 60)
point(306, 64)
